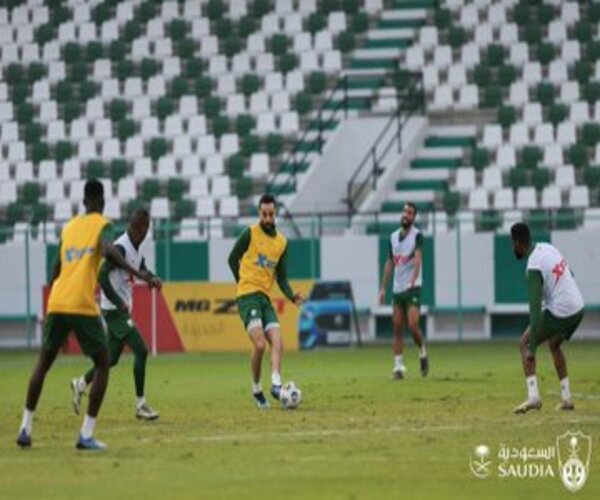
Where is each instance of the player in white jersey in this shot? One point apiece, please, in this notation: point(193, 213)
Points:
point(116, 304)
point(405, 260)
point(555, 312)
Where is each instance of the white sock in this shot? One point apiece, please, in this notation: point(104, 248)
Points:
point(140, 401)
point(27, 421)
point(423, 351)
point(81, 384)
point(532, 388)
point(256, 388)
point(276, 378)
point(87, 429)
point(565, 390)
point(399, 362)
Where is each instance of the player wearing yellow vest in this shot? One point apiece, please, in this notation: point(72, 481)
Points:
point(257, 259)
point(85, 240)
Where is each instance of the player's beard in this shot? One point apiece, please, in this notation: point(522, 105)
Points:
point(405, 223)
point(267, 226)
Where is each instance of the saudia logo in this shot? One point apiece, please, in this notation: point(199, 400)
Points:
point(218, 306)
point(263, 261)
point(572, 451)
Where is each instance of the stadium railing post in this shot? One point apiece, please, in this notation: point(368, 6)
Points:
point(28, 289)
point(459, 279)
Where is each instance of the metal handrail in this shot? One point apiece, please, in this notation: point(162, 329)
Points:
point(408, 102)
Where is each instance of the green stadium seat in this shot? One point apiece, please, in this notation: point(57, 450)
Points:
point(350, 7)
point(186, 48)
point(33, 133)
point(287, 63)
point(215, 10)
point(224, 28)
point(451, 202)
point(71, 110)
point(531, 157)
point(212, 107)
point(117, 50)
point(345, 42)
point(14, 74)
point(521, 14)
point(63, 151)
point(87, 90)
point(175, 189)
point(546, 14)
point(565, 219)
point(303, 103)
point(25, 113)
point(243, 187)
point(259, 8)
point(44, 34)
point(220, 125)
point(557, 114)
point(489, 220)
point(583, 72)
point(541, 178)
point(125, 69)
point(244, 124)
point(442, 18)
point(316, 22)
point(31, 193)
point(493, 96)
point(577, 156)
point(274, 144)
point(125, 129)
point(246, 26)
point(184, 209)
point(533, 34)
point(39, 212)
point(177, 29)
point(235, 166)
point(507, 115)
point(583, 31)
point(539, 221)
point(250, 145)
point(150, 189)
point(360, 23)
point(517, 177)
point(250, 84)
point(118, 170)
point(233, 45)
point(117, 109)
point(480, 158)
point(482, 75)
point(317, 82)
point(279, 44)
point(590, 134)
point(456, 37)
point(495, 55)
point(35, 72)
point(164, 107)
point(94, 51)
point(132, 30)
point(79, 71)
point(178, 87)
point(158, 147)
point(203, 86)
point(591, 92)
point(72, 52)
point(591, 177)
point(194, 67)
point(147, 11)
point(95, 169)
point(101, 13)
point(14, 212)
point(546, 53)
point(545, 93)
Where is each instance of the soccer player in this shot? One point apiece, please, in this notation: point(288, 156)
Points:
point(555, 312)
point(405, 259)
point(72, 306)
point(116, 303)
point(257, 259)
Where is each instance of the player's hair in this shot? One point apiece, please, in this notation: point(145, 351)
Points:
point(519, 233)
point(93, 190)
point(267, 198)
point(140, 213)
point(413, 206)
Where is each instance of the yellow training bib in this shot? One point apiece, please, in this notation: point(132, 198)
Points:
point(257, 267)
point(73, 292)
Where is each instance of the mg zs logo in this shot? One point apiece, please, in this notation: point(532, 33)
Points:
point(218, 306)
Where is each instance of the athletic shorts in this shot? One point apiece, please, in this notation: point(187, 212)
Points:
point(119, 324)
point(88, 330)
point(563, 327)
point(407, 299)
point(256, 311)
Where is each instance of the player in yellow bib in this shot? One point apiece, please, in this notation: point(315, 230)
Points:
point(257, 259)
point(85, 240)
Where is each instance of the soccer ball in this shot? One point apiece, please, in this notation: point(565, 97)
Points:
point(290, 396)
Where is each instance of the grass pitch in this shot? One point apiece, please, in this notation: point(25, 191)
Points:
point(356, 435)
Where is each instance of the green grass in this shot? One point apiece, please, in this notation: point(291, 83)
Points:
point(356, 435)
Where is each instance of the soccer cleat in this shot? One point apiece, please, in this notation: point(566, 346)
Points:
point(144, 412)
point(565, 405)
point(261, 401)
point(398, 374)
point(276, 391)
point(424, 366)
point(90, 443)
point(24, 439)
point(76, 396)
point(527, 405)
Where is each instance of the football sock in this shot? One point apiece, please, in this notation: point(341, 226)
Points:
point(87, 429)
point(532, 387)
point(275, 378)
point(81, 383)
point(423, 351)
point(256, 388)
point(140, 400)
point(27, 421)
point(399, 362)
point(565, 390)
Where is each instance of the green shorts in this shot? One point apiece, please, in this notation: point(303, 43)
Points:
point(256, 311)
point(409, 298)
point(88, 330)
point(119, 324)
point(554, 327)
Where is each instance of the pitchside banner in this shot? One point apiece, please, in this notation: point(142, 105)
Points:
point(206, 315)
point(201, 317)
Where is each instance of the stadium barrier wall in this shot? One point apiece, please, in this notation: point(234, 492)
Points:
point(489, 299)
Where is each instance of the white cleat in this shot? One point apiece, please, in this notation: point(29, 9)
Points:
point(527, 405)
point(398, 373)
point(76, 395)
point(144, 412)
point(565, 405)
